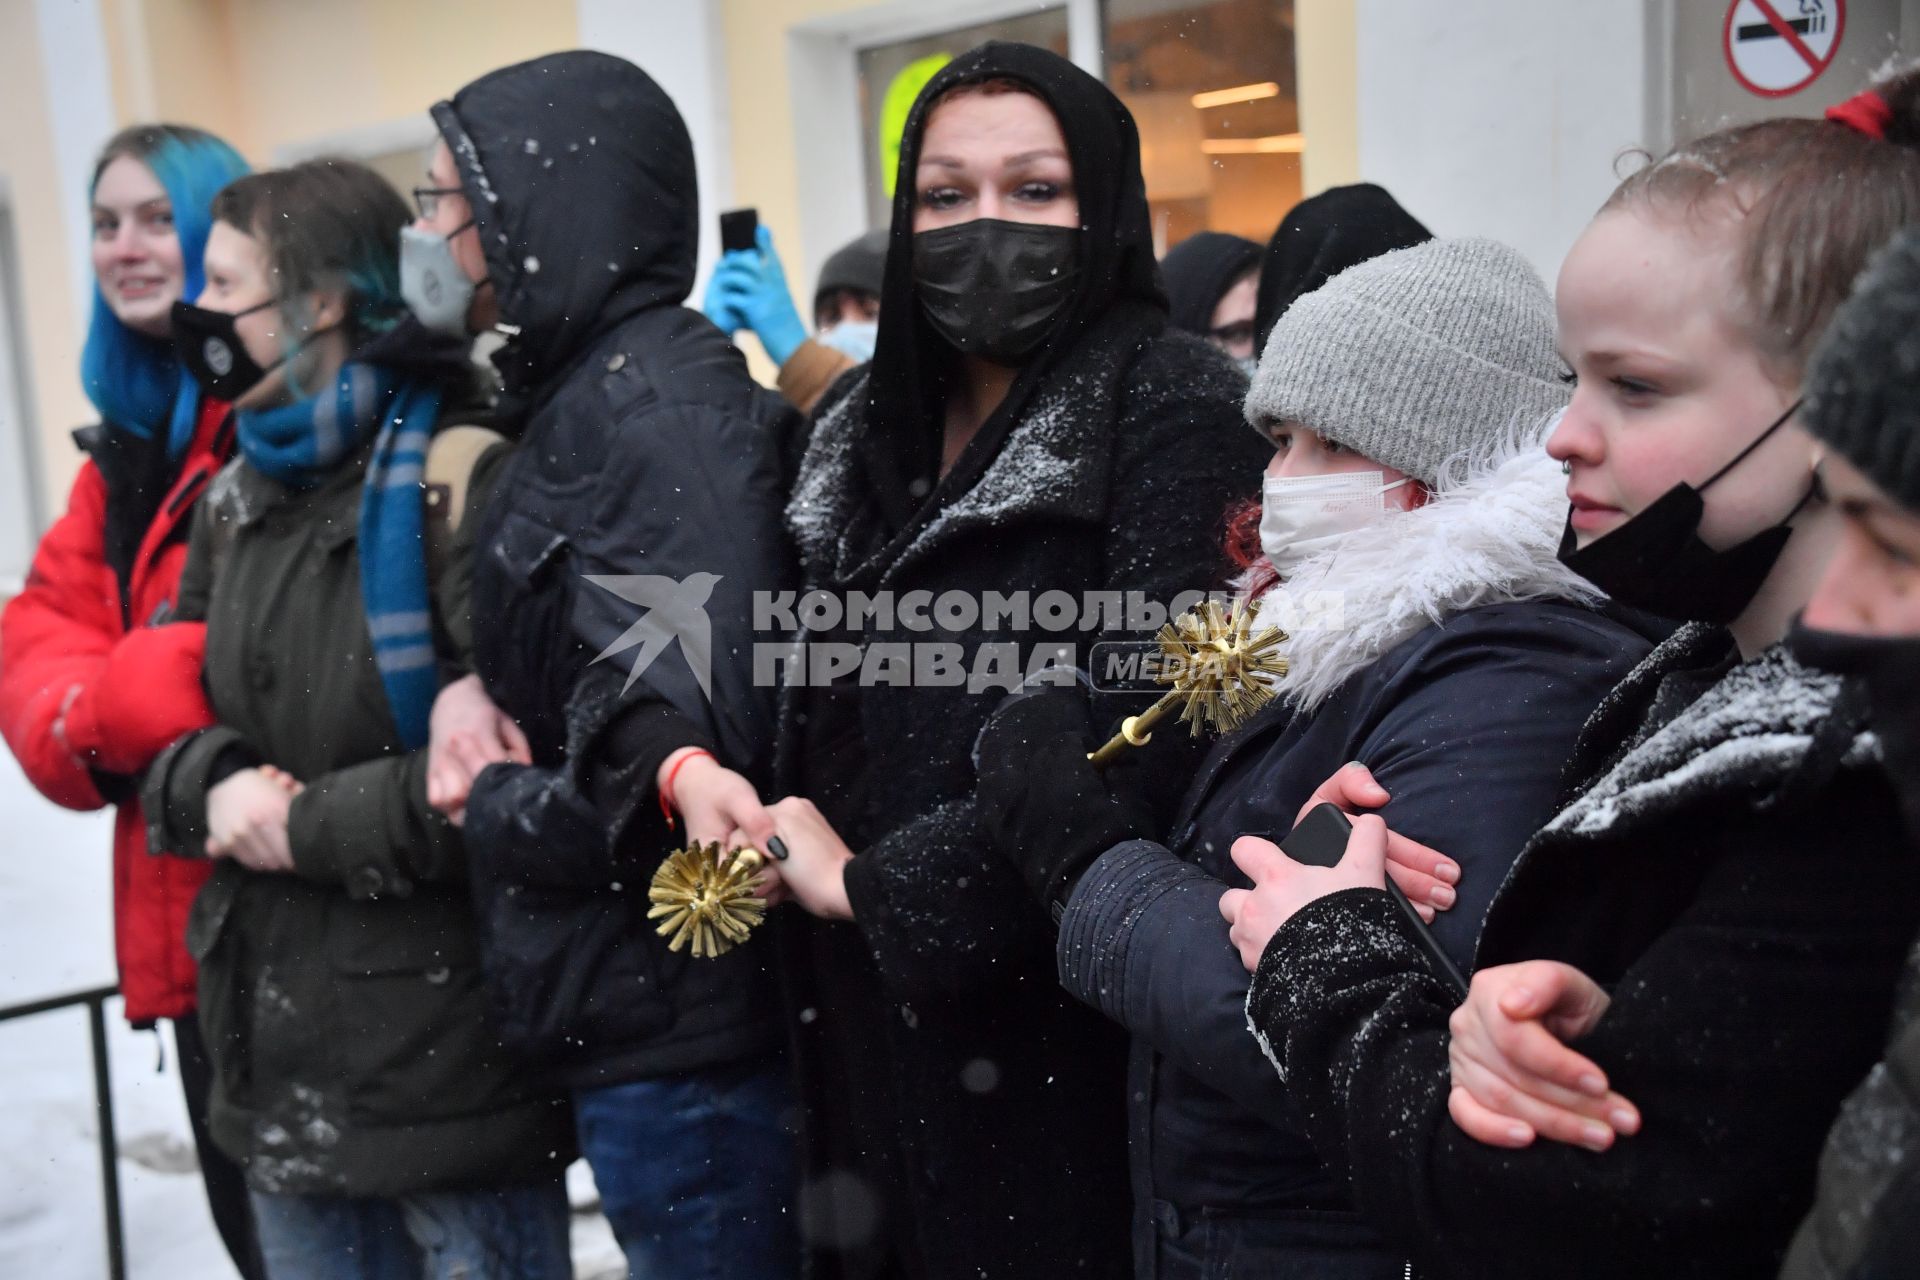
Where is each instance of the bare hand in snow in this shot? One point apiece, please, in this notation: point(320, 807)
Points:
point(247, 820)
point(1514, 1077)
point(816, 864)
point(1425, 875)
point(467, 732)
point(715, 804)
point(1281, 886)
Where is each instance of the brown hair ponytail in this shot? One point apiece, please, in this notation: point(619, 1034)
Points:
point(1813, 200)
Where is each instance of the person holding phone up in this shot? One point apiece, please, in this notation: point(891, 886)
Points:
point(748, 290)
point(1406, 541)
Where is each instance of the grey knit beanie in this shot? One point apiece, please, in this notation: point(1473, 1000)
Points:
point(1416, 355)
point(1863, 388)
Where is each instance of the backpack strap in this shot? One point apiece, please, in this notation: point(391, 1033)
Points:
point(452, 456)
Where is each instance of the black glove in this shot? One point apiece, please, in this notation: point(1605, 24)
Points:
point(1045, 807)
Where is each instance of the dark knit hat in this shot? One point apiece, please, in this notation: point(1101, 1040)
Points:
point(857, 265)
point(1863, 388)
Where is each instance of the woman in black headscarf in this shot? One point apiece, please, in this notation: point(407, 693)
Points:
point(1028, 425)
point(1323, 236)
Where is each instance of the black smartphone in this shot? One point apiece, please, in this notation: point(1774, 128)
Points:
point(1320, 840)
point(739, 229)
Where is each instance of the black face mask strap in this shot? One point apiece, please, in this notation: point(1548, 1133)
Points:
point(1741, 457)
point(1815, 489)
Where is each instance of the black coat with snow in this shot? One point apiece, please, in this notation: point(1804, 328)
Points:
point(639, 425)
point(1733, 873)
point(1493, 693)
point(1865, 1223)
point(964, 1116)
point(940, 1009)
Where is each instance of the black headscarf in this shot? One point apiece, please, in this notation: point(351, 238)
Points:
point(1339, 228)
point(1117, 287)
point(1199, 270)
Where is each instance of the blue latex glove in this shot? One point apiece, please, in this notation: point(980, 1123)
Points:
point(749, 291)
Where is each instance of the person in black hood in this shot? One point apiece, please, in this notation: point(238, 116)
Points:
point(1212, 282)
point(561, 211)
point(1029, 429)
point(1322, 236)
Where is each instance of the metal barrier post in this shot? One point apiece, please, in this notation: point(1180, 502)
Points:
point(109, 1146)
point(95, 1001)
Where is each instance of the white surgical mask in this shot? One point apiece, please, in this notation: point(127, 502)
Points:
point(851, 338)
point(432, 284)
point(1301, 516)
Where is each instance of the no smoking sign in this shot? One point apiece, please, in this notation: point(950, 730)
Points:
point(1779, 47)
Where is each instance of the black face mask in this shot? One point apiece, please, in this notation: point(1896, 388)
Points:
point(1888, 670)
point(211, 349)
point(1657, 561)
point(992, 288)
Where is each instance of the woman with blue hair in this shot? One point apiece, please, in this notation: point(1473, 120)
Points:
point(358, 1074)
point(95, 680)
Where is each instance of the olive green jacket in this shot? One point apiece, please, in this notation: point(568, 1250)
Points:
point(342, 1003)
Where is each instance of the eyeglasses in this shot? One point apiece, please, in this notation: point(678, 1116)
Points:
point(428, 198)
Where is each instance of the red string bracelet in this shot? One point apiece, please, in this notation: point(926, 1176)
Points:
point(666, 788)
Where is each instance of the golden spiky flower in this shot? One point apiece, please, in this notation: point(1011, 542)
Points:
point(1219, 669)
point(701, 896)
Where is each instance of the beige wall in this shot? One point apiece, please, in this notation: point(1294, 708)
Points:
point(51, 318)
point(1327, 50)
point(766, 172)
point(268, 72)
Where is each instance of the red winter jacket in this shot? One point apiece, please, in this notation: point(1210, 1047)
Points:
point(94, 683)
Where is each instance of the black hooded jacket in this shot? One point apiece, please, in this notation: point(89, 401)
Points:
point(638, 423)
point(1199, 271)
point(1323, 236)
point(950, 1085)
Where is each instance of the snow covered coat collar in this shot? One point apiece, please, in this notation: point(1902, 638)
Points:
point(1769, 730)
point(1487, 536)
point(1057, 463)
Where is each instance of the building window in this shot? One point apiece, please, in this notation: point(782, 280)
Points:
point(892, 75)
point(1212, 85)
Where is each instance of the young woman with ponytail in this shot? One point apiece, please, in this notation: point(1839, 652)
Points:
point(1719, 914)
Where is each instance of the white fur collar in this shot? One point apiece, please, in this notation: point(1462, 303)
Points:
point(1488, 536)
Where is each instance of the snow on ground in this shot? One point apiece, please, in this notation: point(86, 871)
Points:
point(55, 937)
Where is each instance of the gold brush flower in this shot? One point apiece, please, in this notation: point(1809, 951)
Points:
point(707, 898)
point(1220, 669)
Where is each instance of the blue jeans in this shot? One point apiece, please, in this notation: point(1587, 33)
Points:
point(515, 1233)
point(696, 1172)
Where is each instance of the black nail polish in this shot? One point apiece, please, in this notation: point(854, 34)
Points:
point(777, 847)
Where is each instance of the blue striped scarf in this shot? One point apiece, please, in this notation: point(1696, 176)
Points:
point(301, 443)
